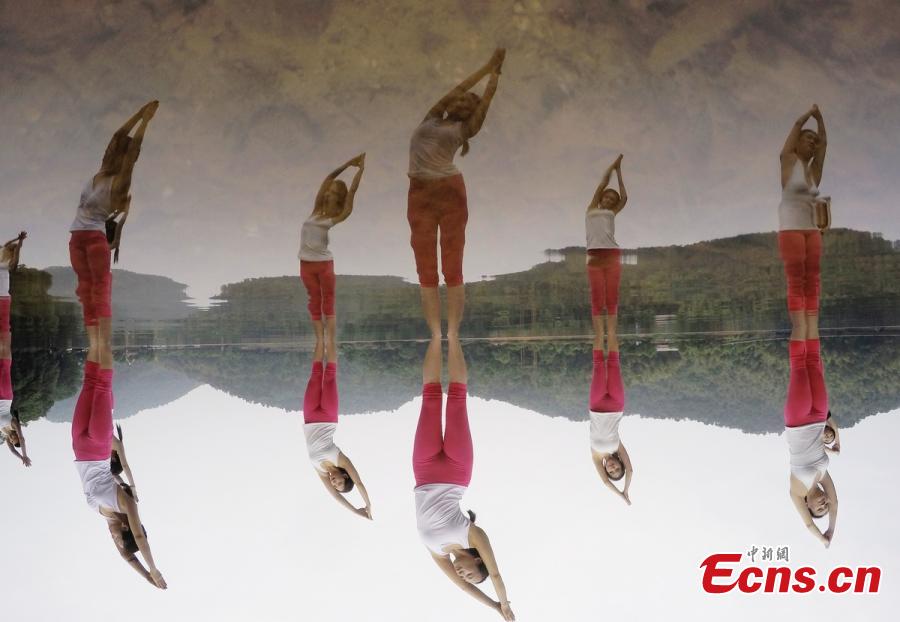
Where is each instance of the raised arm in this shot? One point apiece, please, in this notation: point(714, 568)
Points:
point(15, 245)
point(326, 183)
point(359, 162)
point(604, 476)
point(629, 470)
point(443, 562)
point(127, 503)
point(788, 151)
point(595, 201)
point(797, 498)
point(623, 195)
point(831, 493)
point(818, 161)
point(122, 182)
point(339, 497)
point(119, 448)
point(441, 106)
point(473, 124)
point(17, 425)
point(344, 463)
point(479, 539)
point(832, 423)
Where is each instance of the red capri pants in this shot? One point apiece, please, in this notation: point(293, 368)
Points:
point(319, 280)
point(447, 458)
point(5, 304)
point(438, 204)
point(607, 390)
point(604, 270)
point(6, 390)
point(807, 398)
point(89, 253)
point(320, 402)
point(92, 424)
point(801, 252)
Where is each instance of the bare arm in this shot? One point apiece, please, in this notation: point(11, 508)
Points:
point(831, 493)
point(326, 183)
point(24, 455)
point(479, 539)
point(441, 106)
point(601, 187)
point(836, 445)
point(344, 463)
point(629, 470)
point(473, 124)
point(338, 496)
point(127, 503)
point(604, 476)
point(788, 151)
point(818, 161)
point(122, 182)
point(119, 447)
point(12, 448)
point(443, 562)
point(797, 498)
point(360, 162)
point(623, 195)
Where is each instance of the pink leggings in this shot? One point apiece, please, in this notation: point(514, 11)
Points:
point(432, 205)
point(604, 270)
point(89, 253)
point(92, 424)
point(320, 402)
point(801, 252)
point(319, 279)
point(807, 397)
point(5, 304)
point(6, 390)
point(447, 458)
point(607, 391)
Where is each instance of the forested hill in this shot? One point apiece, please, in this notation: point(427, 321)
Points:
point(731, 283)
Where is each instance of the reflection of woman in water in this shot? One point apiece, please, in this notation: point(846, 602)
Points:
point(607, 405)
point(799, 240)
point(442, 464)
point(437, 194)
point(604, 258)
point(99, 458)
point(320, 419)
point(10, 427)
point(334, 204)
point(809, 428)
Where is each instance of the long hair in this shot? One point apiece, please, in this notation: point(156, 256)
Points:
point(482, 568)
point(348, 482)
point(115, 152)
point(465, 145)
point(342, 196)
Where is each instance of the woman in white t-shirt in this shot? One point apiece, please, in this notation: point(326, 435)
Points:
point(442, 464)
point(604, 257)
point(436, 205)
point(334, 204)
point(99, 460)
point(10, 428)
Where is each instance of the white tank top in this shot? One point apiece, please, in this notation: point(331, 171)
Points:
point(432, 147)
point(5, 413)
point(605, 432)
point(807, 448)
point(4, 279)
point(314, 239)
point(94, 207)
point(439, 519)
point(600, 225)
point(320, 444)
point(796, 208)
point(100, 488)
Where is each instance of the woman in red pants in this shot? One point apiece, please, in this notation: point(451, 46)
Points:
point(799, 240)
point(604, 258)
point(10, 427)
point(606, 408)
point(334, 204)
point(437, 194)
point(442, 464)
point(320, 419)
point(99, 459)
point(104, 198)
point(806, 418)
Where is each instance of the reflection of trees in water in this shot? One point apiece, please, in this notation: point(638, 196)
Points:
point(41, 378)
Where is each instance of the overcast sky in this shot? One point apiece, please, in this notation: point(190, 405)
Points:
point(260, 100)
